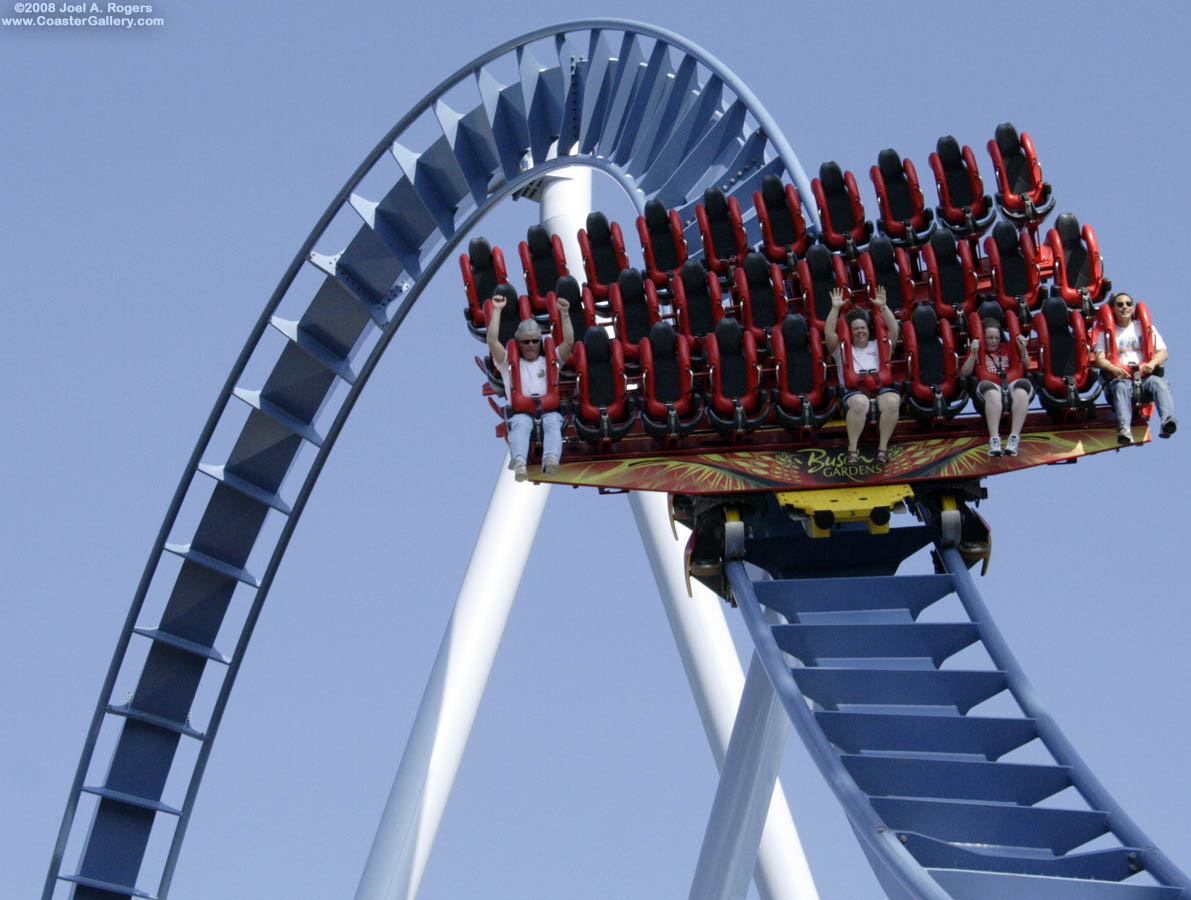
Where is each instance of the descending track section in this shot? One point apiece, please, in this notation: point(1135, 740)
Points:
point(955, 780)
point(659, 115)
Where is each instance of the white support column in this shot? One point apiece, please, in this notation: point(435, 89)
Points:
point(742, 799)
point(713, 669)
point(435, 747)
point(439, 735)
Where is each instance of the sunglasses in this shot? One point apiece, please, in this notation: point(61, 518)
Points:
point(529, 340)
point(1123, 304)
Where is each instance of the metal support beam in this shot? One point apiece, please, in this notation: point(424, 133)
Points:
point(742, 800)
point(432, 755)
point(713, 670)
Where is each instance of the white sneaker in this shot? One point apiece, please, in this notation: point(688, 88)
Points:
point(520, 473)
point(994, 445)
point(1125, 436)
point(550, 465)
point(1011, 445)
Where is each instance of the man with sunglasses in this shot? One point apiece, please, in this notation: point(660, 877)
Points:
point(534, 382)
point(1129, 371)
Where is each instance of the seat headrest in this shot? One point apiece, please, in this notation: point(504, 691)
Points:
point(727, 335)
point(818, 259)
point(568, 287)
point(1068, 228)
point(479, 253)
point(925, 321)
point(795, 332)
point(539, 241)
point(694, 277)
point(773, 191)
point(1007, 139)
point(662, 339)
point(943, 243)
point(889, 163)
point(597, 345)
point(1054, 310)
point(715, 203)
point(656, 216)
point(948, 150)
point(831, 176)
point(632, 286)
point(1006, 237)
point(880, 250)
point(597, 227)
point(508, 292)
point(756, 268)
point(991, 309)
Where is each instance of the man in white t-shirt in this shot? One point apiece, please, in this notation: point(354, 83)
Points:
point(866, 357)
point(534, 382)
point(1130, 363)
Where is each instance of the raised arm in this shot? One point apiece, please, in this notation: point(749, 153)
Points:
point(832, 336)
point(494, 346)
point(887, 315)
point(568, 331)
point(969, 364)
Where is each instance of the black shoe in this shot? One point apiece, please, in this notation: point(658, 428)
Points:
point(1169, 427)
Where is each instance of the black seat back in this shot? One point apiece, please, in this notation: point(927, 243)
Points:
point(603, 251)
point(952, 286)
point(510, 316)
point(835, 191)
point(819, 261)
point(1075, 255)
point(667, 372)
point(1014, 275)
point(661, 238)
point(568, 288)
point(925, 323)
point(483, 268)
point(635, 303)
point(1064, 361)
point(719, 220)
point(897, 188)
point(698, 298)
point(762, 297)
point(781, 217)
point(955, 173)
point(1017, 167)
point(800, 362)
point(880, 251)
point(733, 365)
point(601, 377)
point(541, 255)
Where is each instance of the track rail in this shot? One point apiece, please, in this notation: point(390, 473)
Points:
point(658, 114)
point(919, 770)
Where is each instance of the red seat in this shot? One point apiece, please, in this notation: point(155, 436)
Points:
point(933, 391)
point(1063, 373)
point(889, 267)
point(602, 413)
point(634, 302)
point(603, 251)
point(951, 277)
point(516, 309)
point(1079, 270)
point(483, 269)
point(735, 402)
point(698, 302)
point(784, 237)
point(803, 398)
point(1023, 195)
point(544, 262)
point(1017, 367)
point(670, 407)
point(519, 402)
point(1014, 265)
point(761, 292)
point(722, 230)
point(963, 205)
point(818, 273)
point(904, 216)
point(841, 214)
point(662, 243)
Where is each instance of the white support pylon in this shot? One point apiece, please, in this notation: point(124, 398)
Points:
point(717, 682)
point(439, 735)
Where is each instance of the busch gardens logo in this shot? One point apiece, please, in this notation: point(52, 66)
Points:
point(832, 465)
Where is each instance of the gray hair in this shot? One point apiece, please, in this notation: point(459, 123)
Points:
point(528, 329)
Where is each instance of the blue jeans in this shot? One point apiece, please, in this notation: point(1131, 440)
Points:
point(1153, 388)
point(521, 428)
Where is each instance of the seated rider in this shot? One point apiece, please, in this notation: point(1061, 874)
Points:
point(866, 361)
point(1129, 357)
point(534, 380)
point(996, 369)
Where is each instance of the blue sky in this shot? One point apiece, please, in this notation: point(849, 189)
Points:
point(157, 184)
